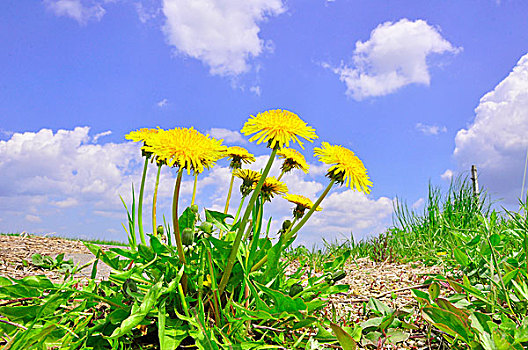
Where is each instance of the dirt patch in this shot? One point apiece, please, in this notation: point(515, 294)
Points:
point(16, 253)
point(389, 282)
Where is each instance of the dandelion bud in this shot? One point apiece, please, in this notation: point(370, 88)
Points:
point(338, 276)
point(295, 289)
point(286, 225)
point(206, 227)
point(160, 230)
point(194, 208)
point(187, 237)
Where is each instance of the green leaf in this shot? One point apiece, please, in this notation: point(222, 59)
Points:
point(434, 290)
point(282, 302)
point(378, 307)
point(461, 257)
point(146, 252)
point(218, 219)
point(187, 219)
point(448, 322)
point(495, 240)
point(136, 317)
point(345, 339)
point(395, 336)
point(509, 276)
point(157, 246)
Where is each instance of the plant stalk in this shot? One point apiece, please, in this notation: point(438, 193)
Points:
point(229, 192)
point(242, 226)
point(154, 202)
point(140, 204)
point(194, 187)
point(175, 222)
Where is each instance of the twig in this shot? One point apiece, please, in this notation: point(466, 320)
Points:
point(402, 289)
point(268, 328)
point(13, 324)
point(14, 301)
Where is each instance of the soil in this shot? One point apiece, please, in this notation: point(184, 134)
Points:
point(390, 283)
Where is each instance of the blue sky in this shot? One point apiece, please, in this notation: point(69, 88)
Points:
point(420, 90)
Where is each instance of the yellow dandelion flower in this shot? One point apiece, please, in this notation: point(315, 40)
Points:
point(302, 203)
point(239, 155)
point(347, 168)
point(142, 134)
point(293, 159)
point(278, 127)
point(271, 187)
point(249, 179)
point(186, 148)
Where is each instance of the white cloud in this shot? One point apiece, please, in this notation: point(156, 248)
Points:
point(430, 129)
point(101, 134)
point(66, 184)
point(66, 203)
point(229, 136)
point(419, 203)
point(163, 103)
point(147, 12)
point(33, 218)
point(496, 141)
point(447, 175)
point(256, 90)
point(223, 34)
point(394, 56)
point(81, 11)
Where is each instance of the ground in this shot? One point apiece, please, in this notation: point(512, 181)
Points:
point(390, 283)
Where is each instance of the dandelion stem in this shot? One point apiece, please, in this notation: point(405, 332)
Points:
point(194, 188)
point(281, 174)
point(242, 226)
point(140, 204)
point(154, 201)
point(175, 222)
point(307, 215)
point(239, 208)
point(229, 192)
point(265, 257)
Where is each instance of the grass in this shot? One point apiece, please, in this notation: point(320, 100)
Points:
point(480, 302)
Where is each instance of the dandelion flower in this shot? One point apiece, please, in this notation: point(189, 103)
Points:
point(346, 168)
point(186, 148)
point(239, 155)
point(278, 127)
point(142, 134)
point(272, 187)
point(292, 160)
point(249, 179)
point(302, 203)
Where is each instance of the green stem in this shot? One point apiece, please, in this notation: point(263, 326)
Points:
point(229, 192)
point(242, 226)
point(239, 208)
point(140, 204)
point(262, 261)
point(154, 201)
point(281, 174)
point(307, 215)
point(175, 222)
point(194, 188)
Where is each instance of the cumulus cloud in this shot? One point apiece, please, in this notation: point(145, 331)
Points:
point(61, 181)
point(394, 56)
point(496, 141)
point(447, 175)
point(229, 136)
point(430, 129)
point(223, 34)
point(81, 11)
